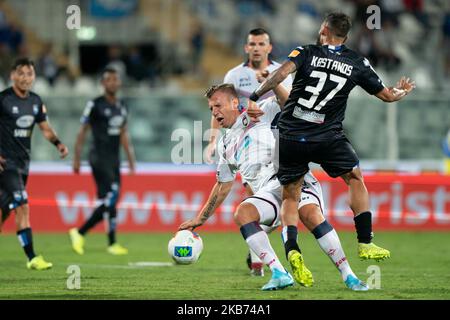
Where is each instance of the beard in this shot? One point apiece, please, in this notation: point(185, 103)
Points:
point(318, 42)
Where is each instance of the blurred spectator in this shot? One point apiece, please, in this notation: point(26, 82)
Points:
point(116, 60)
point(3, 20)
point(377, 45)
point(136, 65)
point(416, 8)
point(391, 10)
point(12, 36)
point(197, 42)
point(46, 64)
point(385, 40)
point(446, 44)
point(365, 44)
point(6, 62)
point(254, 7)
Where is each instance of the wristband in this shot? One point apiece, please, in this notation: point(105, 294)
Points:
point(254, 97)
point(56, 142)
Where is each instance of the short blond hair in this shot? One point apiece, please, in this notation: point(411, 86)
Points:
point(224, 87)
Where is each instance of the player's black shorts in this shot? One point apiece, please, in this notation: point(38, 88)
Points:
point(106, 176)
point(12, 189)
point(336, 157)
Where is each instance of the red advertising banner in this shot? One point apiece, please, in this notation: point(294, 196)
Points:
point(161, 201)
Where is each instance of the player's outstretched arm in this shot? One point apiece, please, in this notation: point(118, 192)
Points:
point(81, 136)
point(280, 91)
point(274, 79)
point(51, 136)
point(129, 150)
point(404, 87)
point(218, 194)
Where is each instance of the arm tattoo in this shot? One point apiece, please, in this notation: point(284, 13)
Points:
point(275, 78)
point(210, 208)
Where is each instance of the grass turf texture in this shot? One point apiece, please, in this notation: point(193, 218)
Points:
point(418, 269)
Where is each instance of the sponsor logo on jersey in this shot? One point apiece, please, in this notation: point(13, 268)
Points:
point(15, 109)
point(107, 112)
point(22, 133)
point(116, 121)
point(294, 53)
point(114, 131)
point(245, 121)
point(309, 116)
point(25, 121)
point(35, 109)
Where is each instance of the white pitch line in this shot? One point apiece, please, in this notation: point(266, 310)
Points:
point(131, 265)
point(150, 264)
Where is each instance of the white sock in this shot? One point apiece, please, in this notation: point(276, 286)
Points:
point(254, 257)
point(330, 244)
point(259, 243)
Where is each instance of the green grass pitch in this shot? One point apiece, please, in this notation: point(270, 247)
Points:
point(418, 269)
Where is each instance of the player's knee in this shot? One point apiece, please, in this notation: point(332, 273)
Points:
point(353, 177)
point(20, 199)
point(292, 191)
point(245, 213)
point(112, 196)
point(311, 216)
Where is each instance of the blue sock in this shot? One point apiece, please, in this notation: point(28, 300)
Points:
point(26, 240)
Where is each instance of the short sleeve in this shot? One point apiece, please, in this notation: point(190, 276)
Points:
point(225, 171)
point(87, 113)
point(41, 115)
point(298, 56)
point(368, 79)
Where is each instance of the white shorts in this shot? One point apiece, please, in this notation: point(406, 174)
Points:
point(268, 199)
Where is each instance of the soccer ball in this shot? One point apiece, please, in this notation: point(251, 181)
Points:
point(185, 247)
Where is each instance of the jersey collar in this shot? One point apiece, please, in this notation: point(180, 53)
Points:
point(336, 48)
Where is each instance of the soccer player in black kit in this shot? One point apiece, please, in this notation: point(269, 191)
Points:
point(310, 125)
point(20, 110)
point(107, 117)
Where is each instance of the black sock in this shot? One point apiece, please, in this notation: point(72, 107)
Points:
point(26, 240)
point(290, 242)
point(112, 213)
point(95, 218)
point(363, 224)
